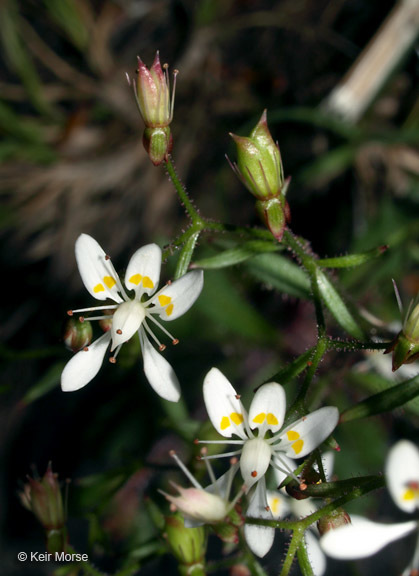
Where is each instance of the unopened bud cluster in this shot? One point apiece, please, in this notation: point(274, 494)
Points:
point(259, 167)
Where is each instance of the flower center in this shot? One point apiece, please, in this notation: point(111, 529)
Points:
point(126, 321)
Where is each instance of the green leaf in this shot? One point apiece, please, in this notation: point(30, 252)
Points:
point(337, 306)
point(229, 311)
point(185, 255)
point(385, 401)
point(281, 273)
point(18, 57)
point(67, 15)
point(50, 381)
point(351, 260)
point(236, 255)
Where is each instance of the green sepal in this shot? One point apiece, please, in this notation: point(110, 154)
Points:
point(158, 142)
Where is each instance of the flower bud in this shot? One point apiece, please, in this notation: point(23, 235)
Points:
point(199, 505)
point(155, 103)
point(332, 521)
point(259, 167)
point(188, 545)
point(405, 347)
point(77, 334)
point(43, 498)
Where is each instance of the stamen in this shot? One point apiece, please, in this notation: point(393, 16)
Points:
point(212, 456)
point(86, 349)
point(112, 359)
point(285, 470)
point(210, 471)
point(197, 441)
point(113, 273)
point(70, 312)
point(119, 331)
point(162, 328)
point(81, 319)
point(175, 342)
point(153, 336)
point(93, 308)
point(162, 347)
point(253, 474)
point(185, 470)
point(91, 318)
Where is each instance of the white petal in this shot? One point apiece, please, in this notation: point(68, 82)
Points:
point(362, 538)
point(96, 271)
point(259, 538)
point(268, 407)
point(143, 270)
point(302, 437)
point(126, 322)
point(254, 460)
point(176, 298)
point(402, 469)
point(315, 553)
point(84, 365)
point(278, 503)
point(158, 371)
point(224, 409)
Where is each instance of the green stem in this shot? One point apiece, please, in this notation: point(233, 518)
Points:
point(292, 549)
point(181, 191)
point(303, 559)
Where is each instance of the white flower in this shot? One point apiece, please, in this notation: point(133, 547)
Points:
point(364, 538)
point(258, 452)
point(136, 314)
point(200, 505)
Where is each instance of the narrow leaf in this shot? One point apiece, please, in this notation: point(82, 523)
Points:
point(337, 306)
point(351, 260)
point(384, 401)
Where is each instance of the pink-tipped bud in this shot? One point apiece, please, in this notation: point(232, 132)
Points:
point(43, 498)
point(156, 104)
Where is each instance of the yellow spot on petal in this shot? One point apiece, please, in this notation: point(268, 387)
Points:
point(292, 435)
point(109, 281)
point(169, 309)
point(236, 418)
point(147, 282)
point(409, 494)
point(98, 288)
point(298, 446)
point(260, 418)
point(225, 422)
point(135, 279)
point(271, 419)
point(164, 300)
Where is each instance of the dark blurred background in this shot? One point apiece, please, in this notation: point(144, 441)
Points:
point(72, 161)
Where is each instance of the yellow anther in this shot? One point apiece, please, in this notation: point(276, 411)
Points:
point(225, 422)
point(260, 418)
point(236, 418)
point(98, 288)
point(271, 419)
point(109, 281)
point(292, 435)
point(135, 279)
